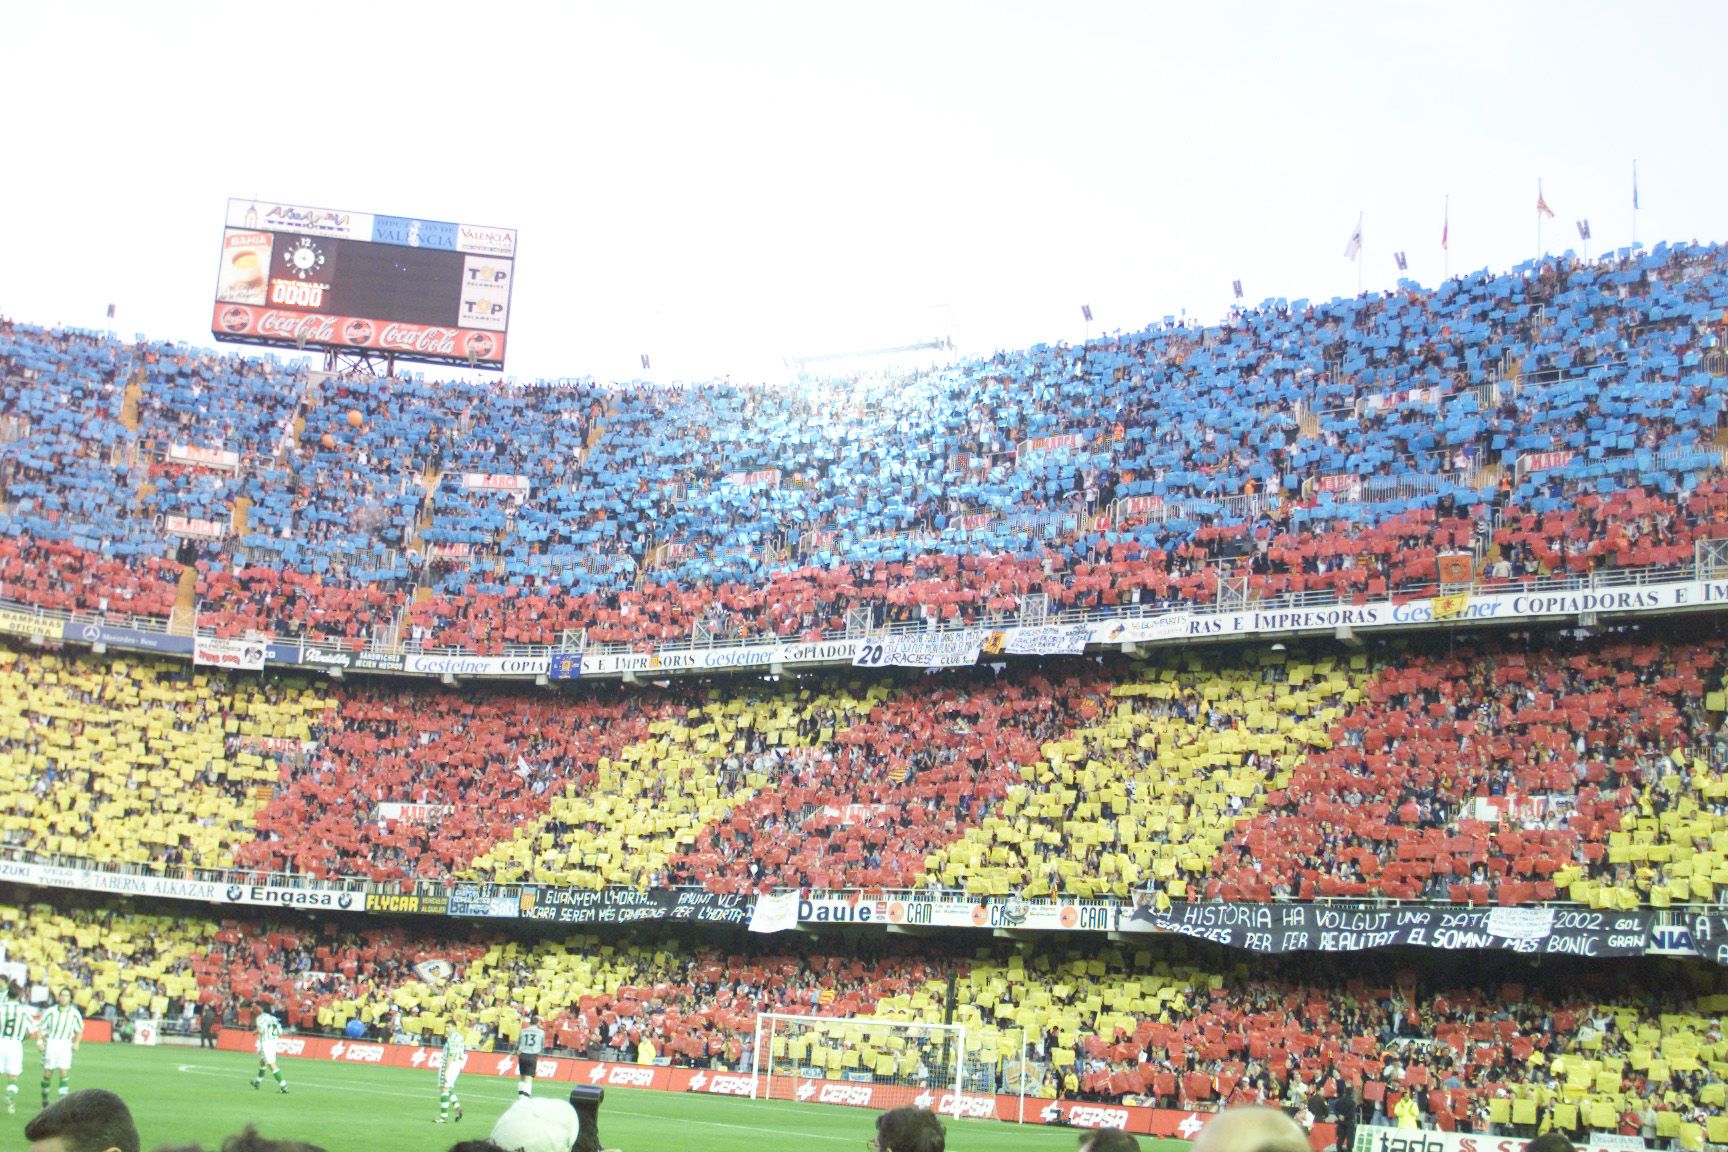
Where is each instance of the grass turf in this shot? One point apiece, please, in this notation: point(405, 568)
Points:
point(190, 1096)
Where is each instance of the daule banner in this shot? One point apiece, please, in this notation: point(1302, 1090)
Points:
point(1359, 927)
point(1165, 1122)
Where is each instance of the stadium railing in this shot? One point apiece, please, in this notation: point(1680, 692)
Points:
point(1676, 916)
point(83, 627)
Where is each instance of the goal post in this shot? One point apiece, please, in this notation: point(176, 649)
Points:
point(879, 1063)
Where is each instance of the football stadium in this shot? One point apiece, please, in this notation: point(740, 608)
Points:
point(429, 722)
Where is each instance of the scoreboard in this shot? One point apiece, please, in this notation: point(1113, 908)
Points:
point(421, 290)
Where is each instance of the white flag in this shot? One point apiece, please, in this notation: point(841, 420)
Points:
point(775, 913)
point(1355, 245)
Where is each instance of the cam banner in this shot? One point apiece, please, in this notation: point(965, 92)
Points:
point(1348, 927)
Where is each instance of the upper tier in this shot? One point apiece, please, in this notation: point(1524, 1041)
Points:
point(1563, 418)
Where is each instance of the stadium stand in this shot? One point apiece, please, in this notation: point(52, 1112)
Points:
point(1559, 418)
point(121, 761)
point(1485, 1044)
point(1505, 775)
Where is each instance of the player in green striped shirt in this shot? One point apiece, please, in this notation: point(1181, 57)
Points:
point(450, 1067)
point(269, 1030)
point(57, 1037)
point(15, 1024)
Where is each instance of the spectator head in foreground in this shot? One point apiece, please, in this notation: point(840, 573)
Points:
point(87, 1121)
point(909, 1130)
point(1252, 1129)
point(537, 1125)
point(1108, 1140)
point(1549, 1142)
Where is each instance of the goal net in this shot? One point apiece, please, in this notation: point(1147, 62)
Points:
point(875, 1064)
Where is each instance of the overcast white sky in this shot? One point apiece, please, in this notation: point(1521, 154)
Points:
point(721, 184)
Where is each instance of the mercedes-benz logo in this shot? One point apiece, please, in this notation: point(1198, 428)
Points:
point(92, 632)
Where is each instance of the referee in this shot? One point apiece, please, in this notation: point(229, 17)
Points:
point(530, 1042)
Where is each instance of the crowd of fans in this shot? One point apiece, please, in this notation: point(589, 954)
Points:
point(1475, 1044)
point(1528, 768)
point(1558, 419)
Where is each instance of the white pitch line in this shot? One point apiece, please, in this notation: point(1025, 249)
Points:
point(324, 1085)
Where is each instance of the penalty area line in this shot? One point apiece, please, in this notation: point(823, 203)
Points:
point(431, 1098)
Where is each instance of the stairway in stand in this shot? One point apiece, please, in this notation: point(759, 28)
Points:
point(130, 400)
point(185, 603)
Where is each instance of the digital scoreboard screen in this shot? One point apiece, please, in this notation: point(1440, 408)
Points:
point(421, 290)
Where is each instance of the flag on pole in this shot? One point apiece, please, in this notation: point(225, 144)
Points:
point(1446, 226)
point(1542, 202)
point(1355, 245)
point(1236, 287)
point(1086, 311)
point(644, 361)
point(1583, 229)
point(1634, 185)
point(1403, 264)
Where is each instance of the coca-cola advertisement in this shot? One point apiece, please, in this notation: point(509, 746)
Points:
point(286, 326)
point(413, 289)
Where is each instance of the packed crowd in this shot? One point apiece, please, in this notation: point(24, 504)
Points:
point(1476, 1043)
point(1348, 447)
point(1530, 768)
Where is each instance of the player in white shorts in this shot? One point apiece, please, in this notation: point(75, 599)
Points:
point(449, 1067)
point(269, 1029)
point(57, 1037)
point(15, 1024)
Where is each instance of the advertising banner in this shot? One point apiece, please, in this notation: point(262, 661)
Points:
point(482, 900)
point(133, 638)
point(90, 880)
point(312, 896)
point(16, 623)
point(319, 656)
point(329, 330)
point(1378, 1138)
point(959, 912)
point(1346, 927)
point(430, 664)
point(1165, 1122)
point(269, 216)
point(408, 904)
point(246, 655)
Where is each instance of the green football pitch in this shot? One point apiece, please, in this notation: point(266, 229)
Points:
point(191, 1096)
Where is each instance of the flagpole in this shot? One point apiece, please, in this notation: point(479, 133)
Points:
point(1539, 221)
point(1446, 240)
point(1360, 258)
point(1634, 202)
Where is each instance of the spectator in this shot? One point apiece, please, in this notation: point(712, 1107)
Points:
point(92, 1120)
point(1251, 1129)
point(1108, 1140)
point(542, 1125)
point(909, 1129)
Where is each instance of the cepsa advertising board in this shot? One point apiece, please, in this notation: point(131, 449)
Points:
point(422, 290)
point(1164, 1122)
